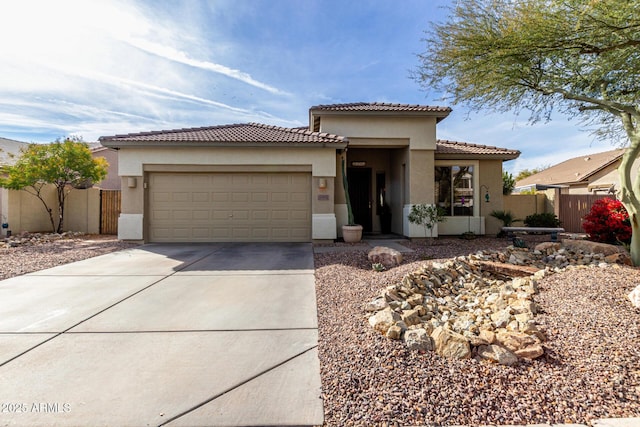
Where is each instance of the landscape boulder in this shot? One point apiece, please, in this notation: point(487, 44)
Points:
point(383, 320)
point(450, 344)
point(385, 256)
point(418, 339)
point(588, 246)
point(497, 354)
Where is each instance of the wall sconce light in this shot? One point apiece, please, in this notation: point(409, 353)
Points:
point(322, 183)
point(487, 197)
point(132, 182)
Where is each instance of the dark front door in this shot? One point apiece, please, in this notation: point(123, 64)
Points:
point(360, 195)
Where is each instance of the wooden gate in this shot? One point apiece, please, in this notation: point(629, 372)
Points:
point(109, 211)
point(573, 207)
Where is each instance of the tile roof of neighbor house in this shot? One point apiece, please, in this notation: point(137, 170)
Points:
point(380, 106)
point(573, 170)
point(453, 148)
point(247, 133)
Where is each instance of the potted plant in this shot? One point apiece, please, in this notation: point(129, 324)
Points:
point(351, 232)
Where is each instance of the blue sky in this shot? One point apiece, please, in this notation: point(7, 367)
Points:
point(107, 67)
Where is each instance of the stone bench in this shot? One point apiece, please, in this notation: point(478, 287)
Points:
point(552, 230)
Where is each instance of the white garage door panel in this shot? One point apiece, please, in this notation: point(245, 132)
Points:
point(209, 207)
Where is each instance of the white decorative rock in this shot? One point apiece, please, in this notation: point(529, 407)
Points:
point(634, 297)
point(418, 339)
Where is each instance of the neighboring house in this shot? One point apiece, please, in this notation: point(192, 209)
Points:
point(589, 174)
point(112, 180)
point(9, 150)
point(255, 182)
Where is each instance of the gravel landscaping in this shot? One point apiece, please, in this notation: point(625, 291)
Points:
point(590, 368)
point(33, 252)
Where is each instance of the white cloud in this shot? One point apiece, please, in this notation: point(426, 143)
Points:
point(181, 57)
point(76, 63)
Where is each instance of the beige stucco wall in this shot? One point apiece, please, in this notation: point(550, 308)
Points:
point(420, 131)
point(26, 212)
point(421, 176)
point(136, 162)
point(82, 212)
point(4, 193)
point(491, 182)
point(112, 180)
point(132, 159)
point(523, 205)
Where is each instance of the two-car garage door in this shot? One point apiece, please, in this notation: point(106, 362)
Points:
point(224, 207)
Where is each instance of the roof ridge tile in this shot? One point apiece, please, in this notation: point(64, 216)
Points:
point(385, 106)
point(231, 133)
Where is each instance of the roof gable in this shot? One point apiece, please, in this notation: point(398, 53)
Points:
point(574, 170)
point(234, 134)
point(378, 109)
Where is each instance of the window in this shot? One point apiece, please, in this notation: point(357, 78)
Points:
point(454, 189)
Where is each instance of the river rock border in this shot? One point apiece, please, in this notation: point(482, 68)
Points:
point(472, 306)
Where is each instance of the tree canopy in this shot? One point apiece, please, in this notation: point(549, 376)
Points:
point(508, 183)
point(525, 173)
point(64, 164)
point(579, 57)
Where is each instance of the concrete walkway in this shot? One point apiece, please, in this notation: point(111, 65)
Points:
point(217, 334)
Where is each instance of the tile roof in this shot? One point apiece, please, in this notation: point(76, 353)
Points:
point(247, 133)
point(380, 106)
point(454, 148)
point(573, 170)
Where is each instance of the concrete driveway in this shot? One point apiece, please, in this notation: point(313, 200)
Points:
point(177, 335)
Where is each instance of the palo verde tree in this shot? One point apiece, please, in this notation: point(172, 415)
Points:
point(64, 164)
point(579, 57)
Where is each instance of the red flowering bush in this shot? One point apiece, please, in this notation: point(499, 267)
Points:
point(608, 222)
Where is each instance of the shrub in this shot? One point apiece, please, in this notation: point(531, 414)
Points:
point(508, 183)
point(427, 216)
point(608, 222)
point(542, 220)
point(507, 217)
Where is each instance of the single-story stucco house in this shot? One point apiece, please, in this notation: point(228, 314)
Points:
point(256, 182)
point(112, 180)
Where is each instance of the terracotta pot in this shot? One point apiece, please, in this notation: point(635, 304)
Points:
point(352, 233)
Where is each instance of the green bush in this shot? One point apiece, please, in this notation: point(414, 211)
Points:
point(542, 220)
